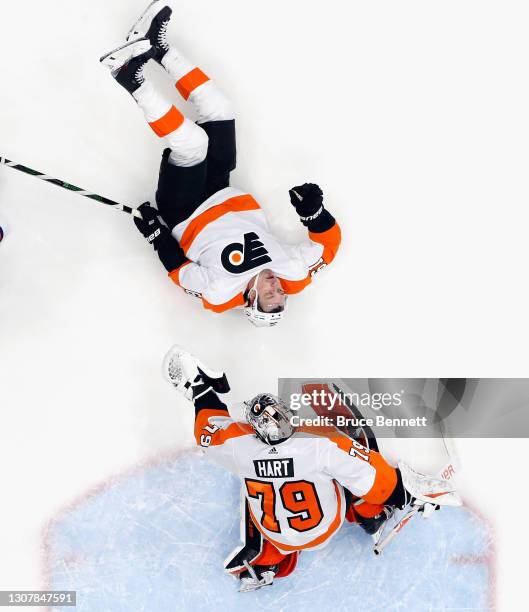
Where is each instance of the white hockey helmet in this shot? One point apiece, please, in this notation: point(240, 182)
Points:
point(270, 417)
point(259, 317)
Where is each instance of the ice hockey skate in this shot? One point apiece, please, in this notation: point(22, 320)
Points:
point(254, 580)
point(152, 25)
point(126, 63)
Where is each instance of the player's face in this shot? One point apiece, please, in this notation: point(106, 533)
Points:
point(271, 294)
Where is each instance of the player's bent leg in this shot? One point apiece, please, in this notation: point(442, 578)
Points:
point(188, 142)
point(222, 154)
point(195, 86)
point(182, 184)
point(215, 112)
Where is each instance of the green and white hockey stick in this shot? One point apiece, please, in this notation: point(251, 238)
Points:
point(78, 190)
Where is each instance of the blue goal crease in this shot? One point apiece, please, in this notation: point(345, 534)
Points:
point(156, 541)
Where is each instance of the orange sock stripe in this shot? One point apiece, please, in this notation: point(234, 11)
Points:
point(188, 83)
point(170, 122)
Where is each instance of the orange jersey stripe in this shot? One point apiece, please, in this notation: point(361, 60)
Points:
point(175, 274)
point(238, 300)
point(292, 286)
point(170, 122)
point(235, 204)
point(330, 239)
point(189, 82)
point(333, 527)
point(235, 430)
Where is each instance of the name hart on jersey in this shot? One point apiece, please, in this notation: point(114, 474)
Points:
point(274, 468)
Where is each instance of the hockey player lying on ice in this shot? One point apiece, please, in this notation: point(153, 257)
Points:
point(220, 248)
point(298, 487)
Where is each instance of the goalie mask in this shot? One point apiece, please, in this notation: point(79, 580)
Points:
point(270, 417)
point(257, 315)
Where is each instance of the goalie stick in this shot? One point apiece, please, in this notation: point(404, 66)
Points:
point(362, 433)
point(68, 186)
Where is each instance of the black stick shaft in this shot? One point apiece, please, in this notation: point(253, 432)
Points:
point(69, 186)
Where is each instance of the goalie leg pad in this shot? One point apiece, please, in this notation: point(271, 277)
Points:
point(257, 553)
point(251, 547)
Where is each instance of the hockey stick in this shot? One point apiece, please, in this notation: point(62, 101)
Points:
point(363, 431)
point(382, 543)
point(78, 190)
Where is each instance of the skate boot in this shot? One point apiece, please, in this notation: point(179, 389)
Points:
point(126, 63)
point(256, 577)
point(190, 377)
point(152, 25)
point(373, 524)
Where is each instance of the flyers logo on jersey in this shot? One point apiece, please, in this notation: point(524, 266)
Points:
point(238, 258)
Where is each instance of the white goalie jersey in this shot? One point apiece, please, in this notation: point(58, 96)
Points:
point(295, 489)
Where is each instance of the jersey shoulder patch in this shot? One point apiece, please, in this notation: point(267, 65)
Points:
point(317, 267)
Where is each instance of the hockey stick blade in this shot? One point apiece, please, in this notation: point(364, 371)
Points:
point(382, 543)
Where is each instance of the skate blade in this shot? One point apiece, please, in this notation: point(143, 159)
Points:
point(117, 57)
point(134, 33)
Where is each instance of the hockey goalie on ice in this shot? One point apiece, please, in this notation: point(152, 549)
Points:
point(213, 239)
point(298, 487)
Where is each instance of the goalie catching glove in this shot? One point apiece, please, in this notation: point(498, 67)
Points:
point(156, 233)
point(191, 377)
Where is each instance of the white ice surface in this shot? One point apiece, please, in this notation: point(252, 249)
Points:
point(413, 118)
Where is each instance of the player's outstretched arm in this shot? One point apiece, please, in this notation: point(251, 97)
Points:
point(307, 199)
point(215, 431)
point(363, 471)
point(369, 476)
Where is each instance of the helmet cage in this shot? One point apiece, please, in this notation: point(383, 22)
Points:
point(270, 418)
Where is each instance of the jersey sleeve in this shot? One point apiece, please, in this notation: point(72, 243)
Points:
point(320, 250)
point(363, 471)
point(330, 240)
point(216, 433)
point(191, 277)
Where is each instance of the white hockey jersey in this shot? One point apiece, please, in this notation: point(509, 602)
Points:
point(295, 489)
point(228, 241)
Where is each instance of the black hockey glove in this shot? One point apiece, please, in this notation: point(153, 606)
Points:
point(150, 225)
point(307, 199)
point(157, 234)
